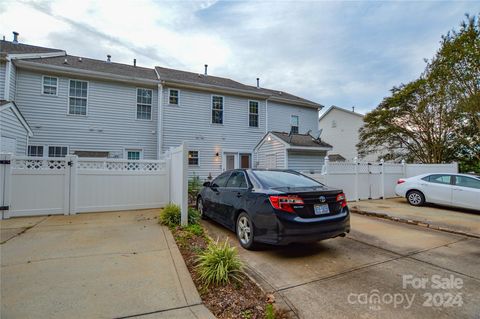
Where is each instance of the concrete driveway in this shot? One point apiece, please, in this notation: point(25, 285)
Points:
point(435, 216)
point(104, 265)
point(362, 275)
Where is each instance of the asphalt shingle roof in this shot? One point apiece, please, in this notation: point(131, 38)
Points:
point(300, 139)
point(20, 48)
point(74, 62)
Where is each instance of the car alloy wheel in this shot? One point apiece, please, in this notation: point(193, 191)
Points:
point(415, 198)
point(245, 231)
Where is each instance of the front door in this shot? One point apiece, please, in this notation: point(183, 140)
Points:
point(230, 161)
point(234, 160)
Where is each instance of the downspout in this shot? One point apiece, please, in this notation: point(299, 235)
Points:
point(266, 116)
point(8, 70)
point(159, 121)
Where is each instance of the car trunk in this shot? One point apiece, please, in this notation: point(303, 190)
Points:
point(315, 201)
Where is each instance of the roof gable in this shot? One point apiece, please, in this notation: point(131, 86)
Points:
point(5, 105)
point(333, 108)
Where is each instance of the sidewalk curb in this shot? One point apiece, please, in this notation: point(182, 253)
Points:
point(359, 211)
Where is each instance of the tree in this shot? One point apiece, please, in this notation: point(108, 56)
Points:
point(435, 118)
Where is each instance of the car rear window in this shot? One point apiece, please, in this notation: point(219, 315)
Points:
point(273, 179)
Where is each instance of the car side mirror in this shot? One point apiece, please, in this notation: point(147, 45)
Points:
point(206, 184)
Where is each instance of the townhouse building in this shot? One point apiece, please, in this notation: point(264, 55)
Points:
point(94, 108)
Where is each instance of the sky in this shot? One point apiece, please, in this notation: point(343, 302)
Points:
point(344, 53)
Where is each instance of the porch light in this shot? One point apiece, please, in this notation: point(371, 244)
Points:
point(216, 154)
point(269, 138)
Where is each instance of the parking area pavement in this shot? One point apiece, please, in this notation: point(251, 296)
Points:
point(382, 269)
point(462, 221)
point(103, 265)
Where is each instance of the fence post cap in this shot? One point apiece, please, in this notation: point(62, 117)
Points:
point(403, 162)
point(382, 160)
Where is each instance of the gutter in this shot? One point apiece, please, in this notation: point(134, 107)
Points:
point(308, 148)
point(87, 73)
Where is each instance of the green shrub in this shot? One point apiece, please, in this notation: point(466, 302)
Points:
point(194, 186)
point(269, 311)
point(171, 216)
point(219, 264)
point(193, 216)
point(195, 229)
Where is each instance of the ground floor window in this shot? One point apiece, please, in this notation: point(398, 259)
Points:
point(57, 151)
point(35, 150)
point(193, 158)
point(134, 155)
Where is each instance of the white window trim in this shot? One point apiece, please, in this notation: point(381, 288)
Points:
point(132, 149)
point(42, 86)
point(47, 153)
point(198, 152)
point(211, 109)
point(136, 104)
point(258, 114)
point(68, 98)
point(298, 122)
point(44, 149)
point(178, 98)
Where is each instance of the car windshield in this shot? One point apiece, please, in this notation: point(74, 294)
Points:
point(277, 179)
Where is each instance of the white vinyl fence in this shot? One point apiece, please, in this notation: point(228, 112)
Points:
point(363, 180)
point(32, 186)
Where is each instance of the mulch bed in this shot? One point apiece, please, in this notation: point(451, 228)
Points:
point(235, 300)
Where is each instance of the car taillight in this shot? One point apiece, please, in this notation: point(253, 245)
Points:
point(285, 203)
point(342, 198)
point(400, 181)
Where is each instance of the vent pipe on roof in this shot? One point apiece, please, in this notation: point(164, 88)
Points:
point(206, 67)
point(353, 108)
point(258, 83)
point(15, 37)
point(134, 62)
point(109, 58)
point(79, 59)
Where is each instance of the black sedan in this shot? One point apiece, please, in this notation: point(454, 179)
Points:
point(274, 207)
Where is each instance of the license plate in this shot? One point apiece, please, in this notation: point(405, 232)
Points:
point(321, 209)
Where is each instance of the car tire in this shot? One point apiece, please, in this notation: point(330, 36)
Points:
point(200, 208)
point(415, 198)
point(244, 230)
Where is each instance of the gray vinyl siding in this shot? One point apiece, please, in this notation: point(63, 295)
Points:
point(11, 127)
point(110, 124)
point(271, 147)
point(279, 117)
point(306, 161)
point(191, 122)
point(2, 80)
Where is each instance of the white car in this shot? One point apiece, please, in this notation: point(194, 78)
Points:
point(459, 190)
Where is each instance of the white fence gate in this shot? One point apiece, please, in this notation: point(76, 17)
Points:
point(32, 186)
point(362, 180)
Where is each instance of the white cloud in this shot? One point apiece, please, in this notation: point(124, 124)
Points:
point(343, 53)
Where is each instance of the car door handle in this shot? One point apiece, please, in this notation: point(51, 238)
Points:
point(423, 184)
point(458, 189)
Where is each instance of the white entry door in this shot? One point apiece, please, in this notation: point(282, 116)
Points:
point(230, 161)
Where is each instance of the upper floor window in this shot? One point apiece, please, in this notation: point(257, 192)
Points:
point(173, 96)
point(49, 85)
point(78, 92)
point(294, 124)
point(217, 109)
point(134, 155)
point(334, 123)
point(57, 151)
point(144, 104)
point(253, 113)
point(193, 158)
point(35, 150)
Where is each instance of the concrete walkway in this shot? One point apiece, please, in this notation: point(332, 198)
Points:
point(103, 265)
point(339, 278)
point(457, 220)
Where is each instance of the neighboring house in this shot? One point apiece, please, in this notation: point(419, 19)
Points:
point(14, 130)
point(93, 108)
point(340, 128)
point(301, 152)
